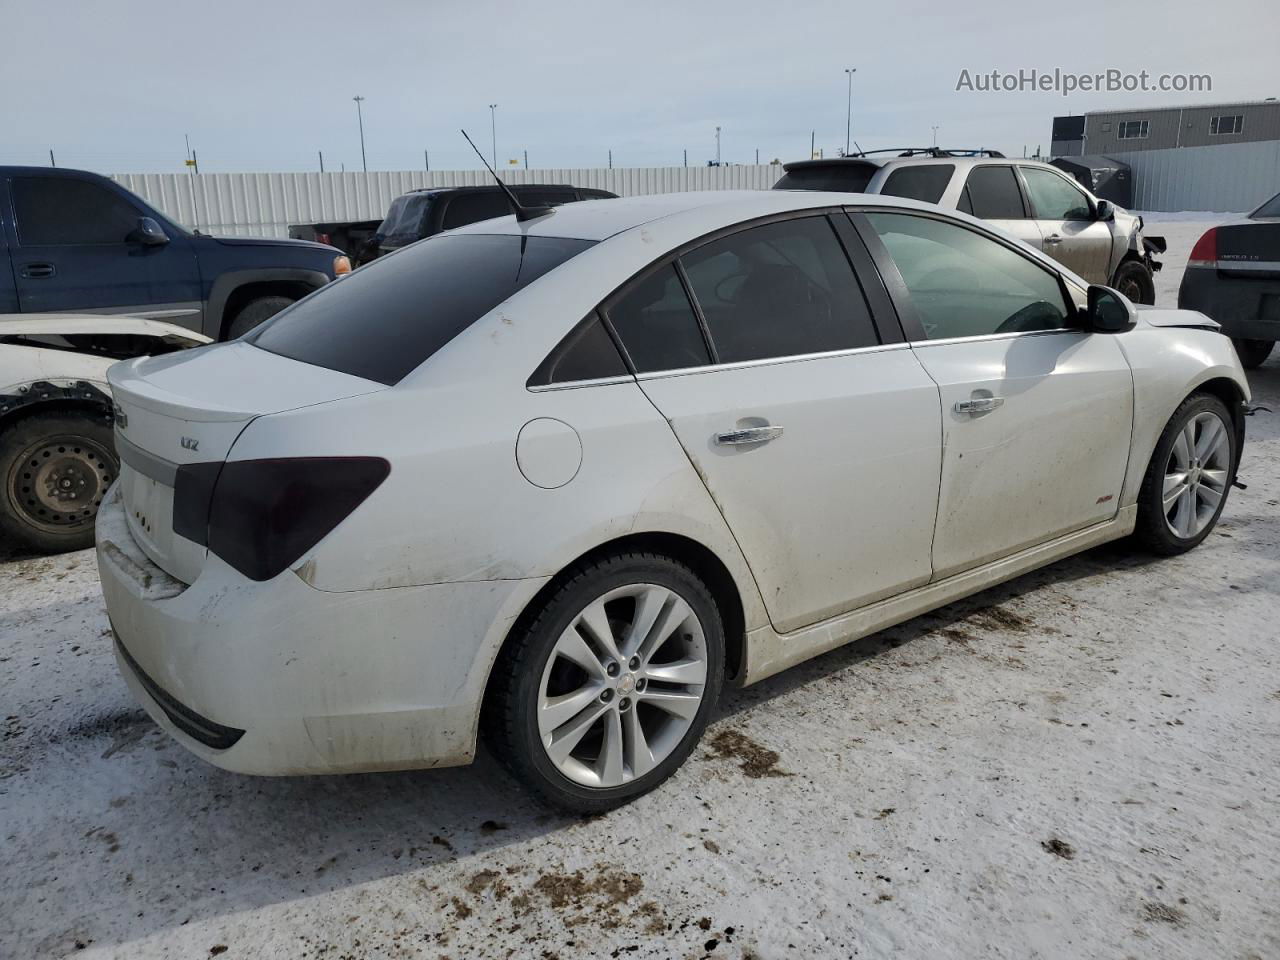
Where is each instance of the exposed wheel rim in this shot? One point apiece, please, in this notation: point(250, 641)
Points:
point(622, 686)
point(1196, 475)
point(58, 482)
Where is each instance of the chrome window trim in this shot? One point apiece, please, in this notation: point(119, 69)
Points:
point(915, 344)
point(576, 384)
point(770, 361)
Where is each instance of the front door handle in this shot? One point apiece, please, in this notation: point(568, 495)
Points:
point(748, 435)
point(37, 271)
point(1053, 238)
point(979, 404)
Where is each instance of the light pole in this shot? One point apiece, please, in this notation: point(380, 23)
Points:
point(493, 131)
point(848, 112)
point(717, 146)
point(360, 117)
point(935, 137)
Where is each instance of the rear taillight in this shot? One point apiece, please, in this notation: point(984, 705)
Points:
point(322, 238)
point(1205, 252)
point(262, 515)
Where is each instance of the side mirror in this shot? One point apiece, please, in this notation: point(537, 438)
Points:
point(148, 233)
point(1105, 211)
point(1108, 311)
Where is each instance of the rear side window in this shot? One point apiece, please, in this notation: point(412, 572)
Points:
point(59, 211)
point(991, 193)
point(657, 325)
point(779, 290)
point(1054, 197)
point(587, 353)
point(847, 177)
point(473, 207)
point(927, 182)
point(389, 316)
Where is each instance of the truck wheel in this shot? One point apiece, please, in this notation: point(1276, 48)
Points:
point(55, 469)
point(1134, 280)
point(255, 312)
point(1252, 353)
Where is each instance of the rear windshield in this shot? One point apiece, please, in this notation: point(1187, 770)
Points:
point(389, 316)
point(926, 182)
point(1269, 209)
point(405, 215)
point(843, 178)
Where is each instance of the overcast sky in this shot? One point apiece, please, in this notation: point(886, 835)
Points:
point(262, 86)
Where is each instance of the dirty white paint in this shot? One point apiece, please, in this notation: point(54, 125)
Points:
point(916, 794)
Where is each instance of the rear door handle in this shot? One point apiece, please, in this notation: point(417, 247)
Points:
point(1053, 238)
point(37, 271)
point(748, 435)
point(979, 404)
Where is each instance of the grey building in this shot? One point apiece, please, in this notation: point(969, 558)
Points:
point(1221, 157)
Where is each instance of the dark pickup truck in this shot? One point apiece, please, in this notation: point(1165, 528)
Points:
point(72, 241)
point(423, 213)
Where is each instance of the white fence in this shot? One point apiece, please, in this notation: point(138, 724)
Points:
point(264, 204)
point(1234, 177)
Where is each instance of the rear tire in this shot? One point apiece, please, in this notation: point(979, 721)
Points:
point(1188, 478)
point(1253, 353)
point(1134, 280)
point(590, 724)
point(255, 312)
point(54, 471)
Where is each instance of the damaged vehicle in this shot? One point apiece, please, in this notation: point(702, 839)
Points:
point(560, 476)
point(1036, 202)
point(57, 452)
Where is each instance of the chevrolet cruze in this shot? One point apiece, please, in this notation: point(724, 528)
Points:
point(560, 478)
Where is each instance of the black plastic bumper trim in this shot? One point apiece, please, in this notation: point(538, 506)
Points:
point(201, 729)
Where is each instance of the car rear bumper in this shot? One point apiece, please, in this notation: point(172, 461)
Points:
point(282, 678)
point(1248, 308)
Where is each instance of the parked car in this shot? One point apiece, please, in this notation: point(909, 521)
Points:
point(57, 457)
point(562, 478)
point(1234, 276)
point(1036, 202)
point(79, 242)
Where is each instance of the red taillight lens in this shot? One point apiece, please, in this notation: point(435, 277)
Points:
point(1205, 252)
point(322, 238)
point(262, 515)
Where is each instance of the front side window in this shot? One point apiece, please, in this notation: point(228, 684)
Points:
point(59, 211)
point(927, 182)
point(473, 207)
point(991, 193)
point(963, 284)
point(392, 314)
point(657, 325)
point(1226, 125)
point(1054, 197)
point(778, 290)
point(1134, 130)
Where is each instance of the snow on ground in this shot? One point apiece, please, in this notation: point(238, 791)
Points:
point(1082, 763)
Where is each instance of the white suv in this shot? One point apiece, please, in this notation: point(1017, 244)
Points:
point(1036, 202)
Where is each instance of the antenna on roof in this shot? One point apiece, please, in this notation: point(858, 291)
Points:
point(522, 212)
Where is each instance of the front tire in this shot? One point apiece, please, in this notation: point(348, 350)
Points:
point(1253, 353)
point(604, 691)
point(55, 469)
point(1134, 280)
point(1188, 478)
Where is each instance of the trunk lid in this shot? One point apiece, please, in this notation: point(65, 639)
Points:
point(1249, 248)
point(189, 408)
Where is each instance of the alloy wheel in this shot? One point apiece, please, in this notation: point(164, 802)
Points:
point(1196, 475)
point(622, 686)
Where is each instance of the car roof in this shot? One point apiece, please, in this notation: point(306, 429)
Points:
point(491, 188)
point(601, 219)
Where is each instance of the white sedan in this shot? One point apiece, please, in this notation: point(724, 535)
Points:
point(561, 478)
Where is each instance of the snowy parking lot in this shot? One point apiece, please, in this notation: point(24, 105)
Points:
point(1084, 762)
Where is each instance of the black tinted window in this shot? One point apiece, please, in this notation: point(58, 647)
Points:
point(779, 290)
point(59, 210)
point(552, 198)
point(657, 325)
point(587, 353)
point(389, 316)
point(963, 284)
point(1269, 209)
point(992, 194)
point(925, 183)
point(405, 216)
point(472, 207)
point(847, 177)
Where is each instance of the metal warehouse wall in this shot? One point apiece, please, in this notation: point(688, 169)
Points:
point(1230, 178)
point(264, 204)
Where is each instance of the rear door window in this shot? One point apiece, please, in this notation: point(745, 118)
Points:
point(473, 207)
point(60, 211)
point(779, 290)
point(927, 182)
point(991, 193)
point(389, 316)
point(656, 324)
point(587, 353)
